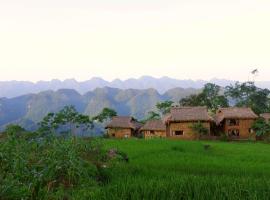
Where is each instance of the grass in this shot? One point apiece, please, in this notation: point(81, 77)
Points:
point(157, 169)
point(166, 169)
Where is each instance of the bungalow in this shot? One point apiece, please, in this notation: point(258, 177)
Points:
point(122, 127)
point(236, 122)
point(180, 120)
point(154, 128)
point(265, 116)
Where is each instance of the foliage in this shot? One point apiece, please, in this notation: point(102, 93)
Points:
point(106, 114)
point(51, 169)
point(151, 116)
point(209, 97)
point(199, 129)
point(248, 95)
point(157, 169)
point(261, 127)
point(68, 117)
point(224, 137)
point(14, 130)
point(192, 100)
point(48, 125)
point(164, 107)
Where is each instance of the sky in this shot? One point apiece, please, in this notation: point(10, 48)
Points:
point(183, 39)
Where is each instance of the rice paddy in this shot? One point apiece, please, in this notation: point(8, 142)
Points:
point(166, 169)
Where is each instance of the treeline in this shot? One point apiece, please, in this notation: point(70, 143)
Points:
point(247, 94)
point(240, 95)
point(213, 97)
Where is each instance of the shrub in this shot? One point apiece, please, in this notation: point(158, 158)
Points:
point(262, 128)
point(223, 137)
point(50, 168)
point(199, 129)
point(14, 130)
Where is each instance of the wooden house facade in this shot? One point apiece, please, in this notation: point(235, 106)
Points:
point(122, 127)
point(236, 123)
point(154, 129)
point(180, 120)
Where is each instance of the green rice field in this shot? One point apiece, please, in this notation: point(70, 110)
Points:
point(167, 169)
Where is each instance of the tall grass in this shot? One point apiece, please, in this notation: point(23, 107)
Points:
point(51, 168)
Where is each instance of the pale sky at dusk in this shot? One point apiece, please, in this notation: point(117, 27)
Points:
point(184, 39)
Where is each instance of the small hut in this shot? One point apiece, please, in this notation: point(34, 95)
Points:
point(123, 127)
point(236, 122)
point(154, 129)
point(180, 120)
point(265, 116)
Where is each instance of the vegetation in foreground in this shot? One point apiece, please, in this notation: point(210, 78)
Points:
point(74, 168)
point(34, 167)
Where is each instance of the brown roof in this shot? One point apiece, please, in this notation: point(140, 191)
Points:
point(235, 113)
point(123, 122)
point(265, 116)
point(188, 114)
point(154, 125)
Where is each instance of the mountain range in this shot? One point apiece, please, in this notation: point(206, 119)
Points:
point(26, 103)
point(28, 110)
point(11, 89)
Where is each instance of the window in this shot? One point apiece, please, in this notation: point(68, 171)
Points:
point(233, 122)
point(178, 133)
point(152, 132)
point(234, 132)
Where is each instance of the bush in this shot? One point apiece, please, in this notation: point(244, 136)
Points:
point(14, 130)
point(50, 168)
point(223, 137)
point(199, 129)
point(262, 128)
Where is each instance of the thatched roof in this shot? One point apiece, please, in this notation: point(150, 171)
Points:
point(124, 122)
point(186, 114)
point(154, 125)
point(266, 116)
point(234, 113)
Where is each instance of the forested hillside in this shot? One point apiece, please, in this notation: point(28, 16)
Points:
point(29, 109)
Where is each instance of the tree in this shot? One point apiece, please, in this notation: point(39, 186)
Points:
point(48, 125)
point(248, 95)
point(209, 97)
point(192, 100)
point(151, 116)
point(68, 117)
point(261, 127)
point(106, 113)
point(164, 107)
point(13, 130)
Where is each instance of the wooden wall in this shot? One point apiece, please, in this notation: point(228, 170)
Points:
point(186, 128)
point(155, 134)
point(243, 127)
point(119, 132)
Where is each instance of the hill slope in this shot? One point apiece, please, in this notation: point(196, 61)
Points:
point(27, 110)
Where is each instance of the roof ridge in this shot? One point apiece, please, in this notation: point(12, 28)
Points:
point(181, 107)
